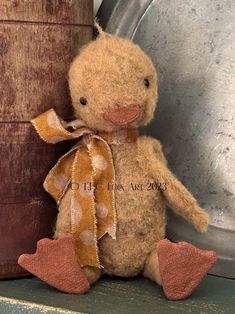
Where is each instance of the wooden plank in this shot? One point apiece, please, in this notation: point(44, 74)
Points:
point(17, 306)
point(34, 65)
point(25, 162)
point(22, 225)
point(49, 11)
point(27, 212)
point(38, 40)
point(114, 296)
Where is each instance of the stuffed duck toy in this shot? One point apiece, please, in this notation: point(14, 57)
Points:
point(113, 186)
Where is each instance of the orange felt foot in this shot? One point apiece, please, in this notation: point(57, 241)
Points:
point(55, 262)
point(182, 267)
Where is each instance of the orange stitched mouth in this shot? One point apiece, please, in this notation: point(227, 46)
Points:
point(123, 116)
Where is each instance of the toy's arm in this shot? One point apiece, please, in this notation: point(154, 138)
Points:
point(177, 196)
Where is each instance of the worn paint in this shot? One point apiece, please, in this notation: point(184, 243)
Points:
point(113, 296)
point(8, 305)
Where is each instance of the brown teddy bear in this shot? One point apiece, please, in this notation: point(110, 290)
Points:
point(113, 186)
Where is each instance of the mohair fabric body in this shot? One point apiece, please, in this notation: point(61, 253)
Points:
point(109, 73)
point(141, 218)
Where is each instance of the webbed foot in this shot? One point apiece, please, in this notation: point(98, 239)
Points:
point(182, 267)
point(56, 263)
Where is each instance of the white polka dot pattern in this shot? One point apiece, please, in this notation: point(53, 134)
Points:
point(76, 212)
point(90, 162)
point(101, 210)
point(60, 181)
point(87, 237)
point(99, 162)
point(53, 121)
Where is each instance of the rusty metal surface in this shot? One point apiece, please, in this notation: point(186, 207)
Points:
point(192, 44)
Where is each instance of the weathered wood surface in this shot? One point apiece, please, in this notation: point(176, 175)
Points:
point(114, 296)
point(34, 65)
point(48, 11)
point(25, 162)
point(22, 225)
point(38, 40)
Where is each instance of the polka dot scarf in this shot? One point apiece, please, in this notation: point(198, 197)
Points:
point(87, 169)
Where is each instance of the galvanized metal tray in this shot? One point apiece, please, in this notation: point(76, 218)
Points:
point(192, 44)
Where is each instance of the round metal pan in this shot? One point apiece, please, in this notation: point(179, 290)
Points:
point(192, 44)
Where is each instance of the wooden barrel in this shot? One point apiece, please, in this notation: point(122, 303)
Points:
point(38, 40)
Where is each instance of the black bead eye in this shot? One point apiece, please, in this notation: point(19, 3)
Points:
point(83, 101)
point(146, 82)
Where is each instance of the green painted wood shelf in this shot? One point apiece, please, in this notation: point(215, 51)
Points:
point(111, 296)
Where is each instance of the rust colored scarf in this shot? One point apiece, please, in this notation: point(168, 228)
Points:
point(87, 169)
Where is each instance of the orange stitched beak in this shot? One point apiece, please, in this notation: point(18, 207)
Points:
point(123, 116)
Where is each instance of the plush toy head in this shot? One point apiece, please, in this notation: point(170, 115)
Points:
point(113, 84)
